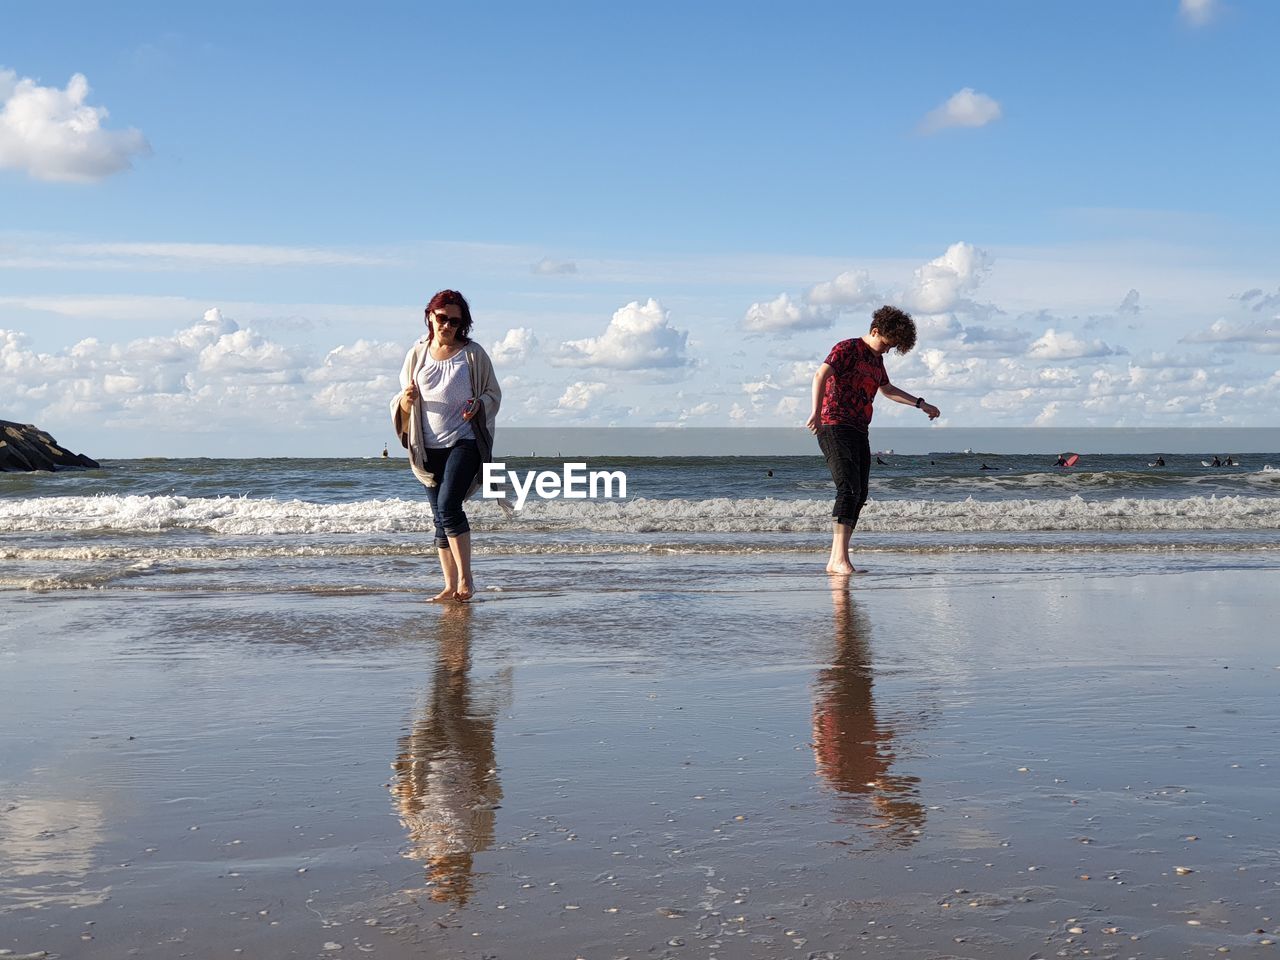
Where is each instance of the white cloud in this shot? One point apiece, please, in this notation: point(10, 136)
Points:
point(1197, 12)
point(965, 108)
point(798, 373)
point(852, 288)
point(1169, 361)
point(639, 337)
point(515, 347)
point(52, 134)
point(209, 376)
point(1057, 376)
point(938, 285)
point(245, 353)
point(783, 314)
point(1010, 371)
point(1025, 391)
point(936, 289)
point(816, 310)
point(352, 400)
point(769, 398)
point(759, 387)
point(1265, 335)
point(162, 310)
point(1259, 301)
point(358, 362)
point(939, 326)
point(1129, 306)
point(209, 329)
point(1067, 346)
point(215, 377)
point(700, 410)
point(174, 255)
point(1050, 416)
point(115, 384)
point(993, 341)
point(546, 267)
point(580, 396)
point(788, 408)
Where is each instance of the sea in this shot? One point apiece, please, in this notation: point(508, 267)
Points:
point(354, 524)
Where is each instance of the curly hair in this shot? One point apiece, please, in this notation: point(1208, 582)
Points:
point(447, 298)
point(896, 326)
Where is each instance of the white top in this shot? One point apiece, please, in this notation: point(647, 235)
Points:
point(444, 387)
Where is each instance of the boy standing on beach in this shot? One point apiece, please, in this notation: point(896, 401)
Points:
point(844, 390)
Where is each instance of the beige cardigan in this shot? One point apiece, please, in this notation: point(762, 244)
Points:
point(484, 387)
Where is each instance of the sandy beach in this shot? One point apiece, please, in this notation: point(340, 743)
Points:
point(692, 758)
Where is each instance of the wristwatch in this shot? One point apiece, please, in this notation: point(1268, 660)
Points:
point(919, 400)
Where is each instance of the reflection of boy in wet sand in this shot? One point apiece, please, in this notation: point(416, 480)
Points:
point(446, 779)
point(854, 753)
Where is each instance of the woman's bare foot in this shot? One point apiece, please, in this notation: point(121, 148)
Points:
point(447, 593)
point(841, 569)
point(464, 592)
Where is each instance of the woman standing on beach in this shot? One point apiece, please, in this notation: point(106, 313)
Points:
point(445, 415)
point(844, 390)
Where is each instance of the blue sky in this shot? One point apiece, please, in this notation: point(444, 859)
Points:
point(648, 207)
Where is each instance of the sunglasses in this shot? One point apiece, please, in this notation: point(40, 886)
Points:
point(440, 320)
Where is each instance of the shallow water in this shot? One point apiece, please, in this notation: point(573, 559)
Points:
point(355, 525)
point(683, 756)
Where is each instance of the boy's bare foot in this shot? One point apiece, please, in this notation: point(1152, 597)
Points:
point(842, 569)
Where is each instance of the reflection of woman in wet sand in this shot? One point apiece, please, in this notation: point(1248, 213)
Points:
point(854, 751)
point(446, 778)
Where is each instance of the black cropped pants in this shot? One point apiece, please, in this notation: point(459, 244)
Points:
point(848, 454)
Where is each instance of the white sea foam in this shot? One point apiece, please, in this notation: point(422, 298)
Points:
point(266, 518)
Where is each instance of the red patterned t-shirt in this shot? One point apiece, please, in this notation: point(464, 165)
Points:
point(857, 374)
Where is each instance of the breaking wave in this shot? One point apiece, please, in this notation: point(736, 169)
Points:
point(243, 516)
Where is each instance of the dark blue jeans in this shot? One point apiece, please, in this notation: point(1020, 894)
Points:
point(454, 469)
point(848, 454)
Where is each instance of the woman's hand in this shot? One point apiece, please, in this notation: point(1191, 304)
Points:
point(812, 423)
point(408, 397)
point(469, 410)
point(933, 412)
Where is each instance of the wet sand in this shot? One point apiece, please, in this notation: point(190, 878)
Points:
point(671, 757)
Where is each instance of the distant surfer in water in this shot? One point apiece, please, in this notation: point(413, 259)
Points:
point(1062, 461)
point(985, 467)
point(444, 415)
point(881, 462)
point(844, 391)
point(1217, 462)
point(1159, 461)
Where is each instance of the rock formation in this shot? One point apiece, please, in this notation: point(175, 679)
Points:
point(26, 447)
